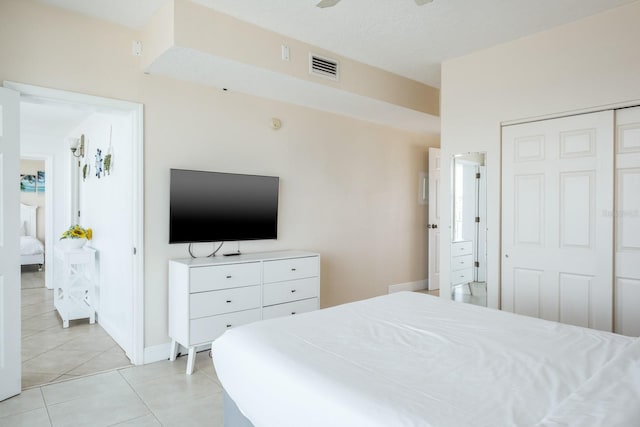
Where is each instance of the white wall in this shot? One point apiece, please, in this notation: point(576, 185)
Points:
point(106, 207)
point(589, 63)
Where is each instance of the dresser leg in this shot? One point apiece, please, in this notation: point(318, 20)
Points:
point(174, 350)
point(191, 360)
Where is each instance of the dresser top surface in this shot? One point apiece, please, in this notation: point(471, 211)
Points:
point(243, 258)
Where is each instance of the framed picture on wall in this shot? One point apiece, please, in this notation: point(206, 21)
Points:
point(40, 181)
point(28, 183)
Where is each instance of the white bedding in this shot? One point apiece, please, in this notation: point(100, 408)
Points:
point(30, 246)
point(408, 359)
point(611, 398)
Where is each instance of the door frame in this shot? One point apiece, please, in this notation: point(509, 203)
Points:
point(137, 111)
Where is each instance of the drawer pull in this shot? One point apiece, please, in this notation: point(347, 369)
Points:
point(229, 277)
point(293, 290)
point(293, 312)
point(228, 301)
point(293, 269)
point(229, 325)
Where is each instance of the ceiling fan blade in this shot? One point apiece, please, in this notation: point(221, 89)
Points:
point(327, 3)
point(422, 2)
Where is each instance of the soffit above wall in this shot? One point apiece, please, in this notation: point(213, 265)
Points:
point(198, 67)
point(187, 41)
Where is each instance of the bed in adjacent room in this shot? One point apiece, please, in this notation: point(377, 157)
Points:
point(410, 359)
point(31, 249)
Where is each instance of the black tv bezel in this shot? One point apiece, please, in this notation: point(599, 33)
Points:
point(277, 216)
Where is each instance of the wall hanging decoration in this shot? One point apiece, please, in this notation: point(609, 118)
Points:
point(28, 183)
point(108, 158)
point(99, 161)
point(40, 181)
point(85, 171)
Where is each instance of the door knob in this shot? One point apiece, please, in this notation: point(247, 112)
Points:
point(506, 255)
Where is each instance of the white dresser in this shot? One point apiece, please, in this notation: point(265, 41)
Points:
point(207, 296)
point(461, 263)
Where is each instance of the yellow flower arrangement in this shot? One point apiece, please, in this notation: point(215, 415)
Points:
point(77, 232)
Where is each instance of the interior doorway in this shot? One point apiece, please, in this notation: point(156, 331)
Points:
point(49, 120)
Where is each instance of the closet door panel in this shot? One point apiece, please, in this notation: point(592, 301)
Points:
point(627, 218)
point(557, 187)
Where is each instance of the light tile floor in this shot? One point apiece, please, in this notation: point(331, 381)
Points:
point(158, 394)
point(479, 296)
point(51, 353)
point(462, 294)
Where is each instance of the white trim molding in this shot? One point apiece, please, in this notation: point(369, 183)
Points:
point(409, 286)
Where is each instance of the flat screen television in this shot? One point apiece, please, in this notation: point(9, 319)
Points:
point(216, 207)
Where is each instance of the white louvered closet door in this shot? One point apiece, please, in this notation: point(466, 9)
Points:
point(557, 226)
point(627, 216)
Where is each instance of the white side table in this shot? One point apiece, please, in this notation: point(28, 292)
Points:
point(74, 284)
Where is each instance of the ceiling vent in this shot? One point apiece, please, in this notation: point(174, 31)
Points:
point(323, 67)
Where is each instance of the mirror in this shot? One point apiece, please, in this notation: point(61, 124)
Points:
point(469, 229)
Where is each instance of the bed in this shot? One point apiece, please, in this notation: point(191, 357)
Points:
point(31, 249)
point(410, 359)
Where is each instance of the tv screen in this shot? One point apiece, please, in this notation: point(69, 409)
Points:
point(216, 207)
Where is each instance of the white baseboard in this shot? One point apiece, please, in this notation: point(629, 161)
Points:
point(113, 333)
point(160, 352)
point(156, 353)
point(409, 286)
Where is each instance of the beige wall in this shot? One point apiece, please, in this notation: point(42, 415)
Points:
point(590, 63)
point(31, 167)
point(349, 189)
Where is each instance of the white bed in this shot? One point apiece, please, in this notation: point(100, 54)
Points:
point(31, 249)
point(409, 359)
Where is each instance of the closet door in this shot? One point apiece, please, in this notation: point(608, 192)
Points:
point(557, 227)
point(627, 217)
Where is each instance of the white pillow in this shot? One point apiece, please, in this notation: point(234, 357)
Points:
point(23, 229)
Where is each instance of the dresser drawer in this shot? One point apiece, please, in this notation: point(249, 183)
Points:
point(291, 269)
point(291, 290)
point(461, 248)
point(206, 329)
point(462, 276)
point(214, 277)
point(461, 262)
point(290, 308)
point(211, 303)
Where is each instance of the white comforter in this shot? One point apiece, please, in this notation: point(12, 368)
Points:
point(30, 246)
point(409, 359)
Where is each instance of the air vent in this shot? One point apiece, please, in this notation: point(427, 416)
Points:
point(323, 67)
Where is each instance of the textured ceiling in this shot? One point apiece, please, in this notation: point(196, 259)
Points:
point(409, 40)
point(395, 35)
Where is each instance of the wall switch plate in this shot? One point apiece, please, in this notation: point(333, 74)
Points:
point(285, 53)
point(136, 48)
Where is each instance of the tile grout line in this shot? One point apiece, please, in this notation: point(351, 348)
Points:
point(139, 397)
point(46, 407)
